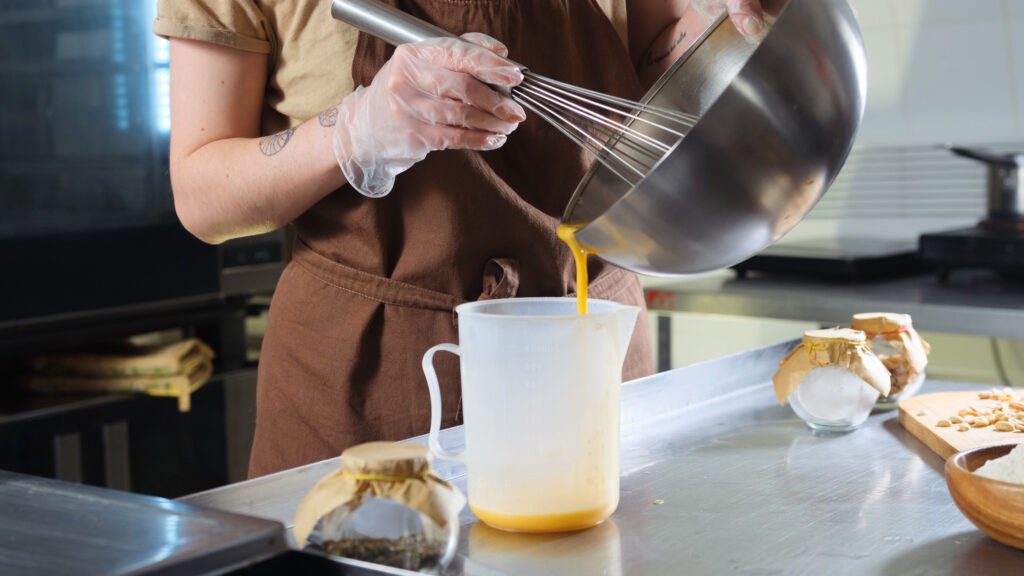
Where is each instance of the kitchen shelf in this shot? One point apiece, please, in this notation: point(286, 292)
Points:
point(33, 406)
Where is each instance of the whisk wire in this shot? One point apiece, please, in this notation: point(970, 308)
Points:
point(598, 118)
point(585, 140)
point(628, 138)
point(681, 117)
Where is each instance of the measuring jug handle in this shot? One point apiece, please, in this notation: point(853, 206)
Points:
point(435, 401)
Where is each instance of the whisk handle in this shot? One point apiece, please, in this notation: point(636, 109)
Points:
point(385, 22)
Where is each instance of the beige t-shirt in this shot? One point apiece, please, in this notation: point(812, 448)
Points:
point(310, 53)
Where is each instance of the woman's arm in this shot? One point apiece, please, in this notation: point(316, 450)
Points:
point(228, 182)
point(660, 31)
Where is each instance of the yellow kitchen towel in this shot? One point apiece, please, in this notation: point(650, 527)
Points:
point(175, 370)
point(170, 359)
point(178, 385)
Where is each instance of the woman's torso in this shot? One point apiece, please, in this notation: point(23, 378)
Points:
point(375, 280)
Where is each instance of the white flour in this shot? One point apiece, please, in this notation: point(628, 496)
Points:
point(835, 394)
point(1009, 468)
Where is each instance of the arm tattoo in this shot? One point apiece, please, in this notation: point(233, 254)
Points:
point(329, 118)
point(651, 60)
point(274, 143)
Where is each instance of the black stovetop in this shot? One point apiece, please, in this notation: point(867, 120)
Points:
point(975, 247)
point(852, 258)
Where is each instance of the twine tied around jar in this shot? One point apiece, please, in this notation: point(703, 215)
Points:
point(822, 345)
point(384, 478)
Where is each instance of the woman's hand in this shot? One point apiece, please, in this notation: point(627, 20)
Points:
point(746, 15)
point(431, 95)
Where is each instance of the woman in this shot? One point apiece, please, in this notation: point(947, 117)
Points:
point(388, 239)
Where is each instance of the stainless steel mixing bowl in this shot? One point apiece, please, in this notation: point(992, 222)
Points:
point(777, 123)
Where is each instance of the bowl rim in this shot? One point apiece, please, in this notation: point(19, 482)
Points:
point(954, 464)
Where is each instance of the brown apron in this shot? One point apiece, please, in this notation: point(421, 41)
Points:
point(373, 283)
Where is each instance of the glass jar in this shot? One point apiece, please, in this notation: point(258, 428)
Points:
point(832, 379)
point(385, 507)
point(900, 348)
point(833, 398)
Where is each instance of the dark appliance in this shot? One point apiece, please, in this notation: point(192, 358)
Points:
point(841, 258)
point(87, 223)
point(997, 242)
point(91, 251)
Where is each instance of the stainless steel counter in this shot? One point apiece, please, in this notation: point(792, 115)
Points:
point(57, 528)
point(979, 304)
point(719, 479)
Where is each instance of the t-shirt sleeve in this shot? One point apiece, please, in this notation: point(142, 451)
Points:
point(232, 23)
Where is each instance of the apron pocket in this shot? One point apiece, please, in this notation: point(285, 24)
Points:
point(501, 279)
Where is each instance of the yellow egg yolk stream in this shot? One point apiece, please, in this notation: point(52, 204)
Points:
point(567, 233)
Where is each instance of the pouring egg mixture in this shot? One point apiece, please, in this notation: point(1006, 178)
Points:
point(567, 233)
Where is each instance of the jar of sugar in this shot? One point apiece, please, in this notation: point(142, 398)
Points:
point(905, 354)
point(832, 379)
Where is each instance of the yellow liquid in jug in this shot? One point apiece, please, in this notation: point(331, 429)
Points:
point(567, 233)
point(540, 523)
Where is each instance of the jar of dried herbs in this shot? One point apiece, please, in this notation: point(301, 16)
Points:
point(383, 506)
point(905, 354)
point(831, 379)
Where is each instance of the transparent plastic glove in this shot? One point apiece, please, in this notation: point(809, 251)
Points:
point(747, 15)
point(431, 95)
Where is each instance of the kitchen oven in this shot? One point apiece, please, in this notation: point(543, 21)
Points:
point(87, 224)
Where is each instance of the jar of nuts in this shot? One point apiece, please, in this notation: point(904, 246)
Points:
point(832, 379)
point(905, 354)
point(384, 506)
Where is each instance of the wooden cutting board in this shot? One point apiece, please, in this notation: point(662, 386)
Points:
point(918, 414)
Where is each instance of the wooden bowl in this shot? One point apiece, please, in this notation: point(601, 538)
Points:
point(996, 508)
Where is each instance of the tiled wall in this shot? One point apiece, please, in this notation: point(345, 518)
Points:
point(943, 70)
point(939, 71)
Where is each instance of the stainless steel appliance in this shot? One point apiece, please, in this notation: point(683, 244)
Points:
point(997, 242)
point(1005, 188)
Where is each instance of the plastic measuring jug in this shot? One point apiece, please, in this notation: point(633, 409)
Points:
point(540, 394)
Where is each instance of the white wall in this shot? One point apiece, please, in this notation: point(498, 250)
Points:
point(939, 71)
point(943, 70)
